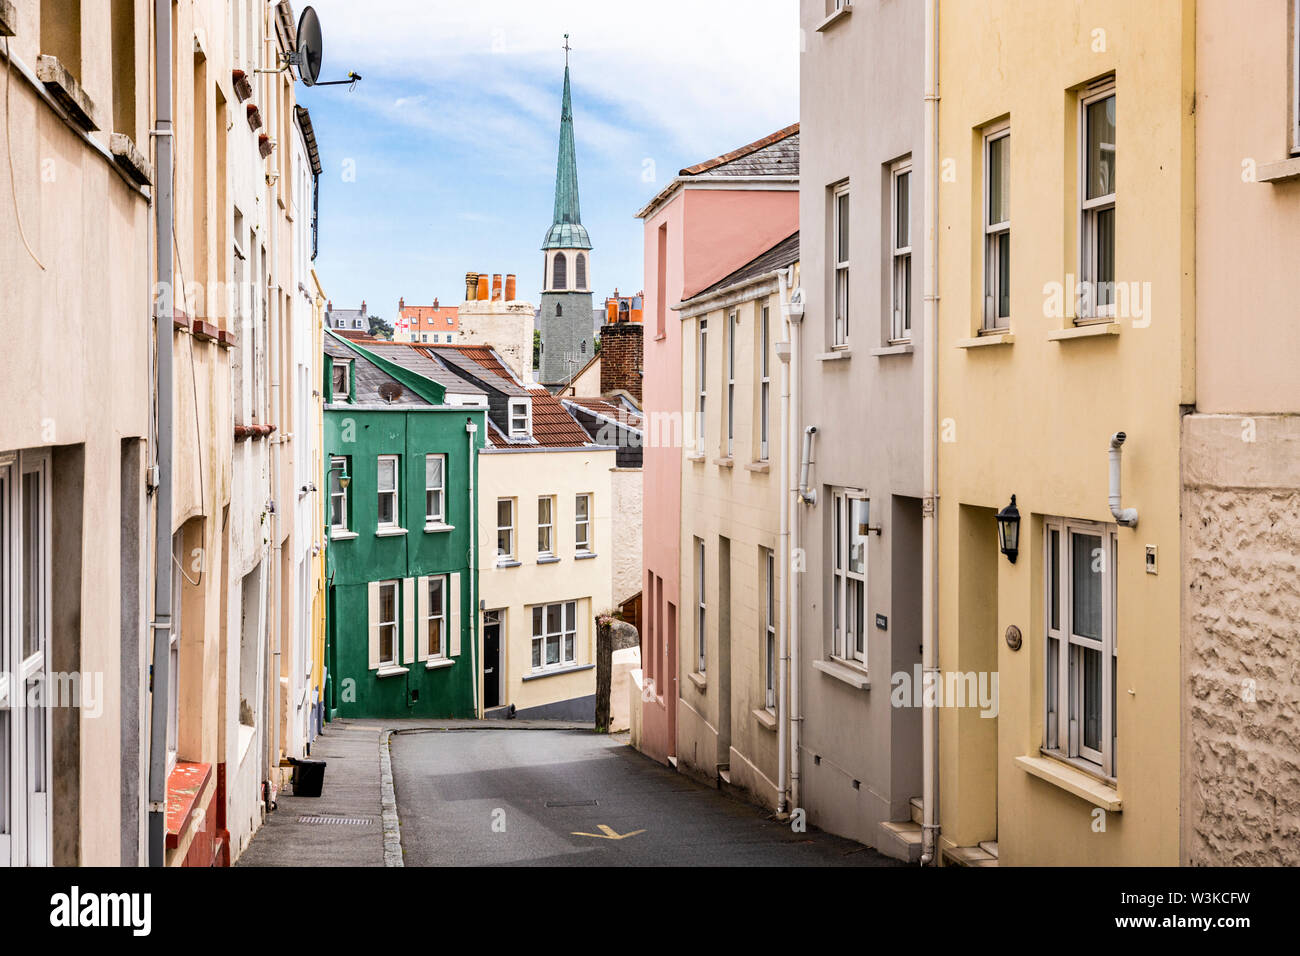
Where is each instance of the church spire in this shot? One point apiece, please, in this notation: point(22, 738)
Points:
point(567, 231)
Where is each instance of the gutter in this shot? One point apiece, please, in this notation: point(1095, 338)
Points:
point(780, 183)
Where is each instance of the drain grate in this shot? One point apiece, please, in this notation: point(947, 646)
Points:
point(337, 821)
point(571, 803)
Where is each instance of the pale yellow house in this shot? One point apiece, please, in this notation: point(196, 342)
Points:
point(727, 712)
point(1065, 326)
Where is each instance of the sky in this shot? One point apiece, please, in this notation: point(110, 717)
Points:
point(441, 161)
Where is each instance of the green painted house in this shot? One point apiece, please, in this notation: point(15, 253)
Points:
point(401, 456)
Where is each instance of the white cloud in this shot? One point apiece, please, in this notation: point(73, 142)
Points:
point(699, 76)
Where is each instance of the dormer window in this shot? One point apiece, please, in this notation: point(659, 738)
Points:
point(521, 418)
point(340, 385)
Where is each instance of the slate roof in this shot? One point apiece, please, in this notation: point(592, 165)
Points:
point(773, 155)
point(409, 357)
point(368, 377)
point(620, 412)
point(475, 361)
point(781, 255)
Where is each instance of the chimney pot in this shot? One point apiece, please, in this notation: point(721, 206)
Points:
point(401, 303)
point(471, 286)
point(435, 302)
point(483, 286)
point(510, 287)
point(496, 287)
point(363, 308)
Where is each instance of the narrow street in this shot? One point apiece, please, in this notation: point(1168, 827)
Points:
point(477, 793)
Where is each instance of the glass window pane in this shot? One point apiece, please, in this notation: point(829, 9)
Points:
point(537, 653)
point(568, 648)
point(1105, 239)
point(537, 621)
point(387, 474)
point(842, 212)
point(1091, 697)
point(858, 610)
point(386, 508)
point(1004, 274)
point(503, 513)
point(553, 649)
point(1053, 689)
point(902, 210)
point(570, 616)
point(999, 181)
point(1054, 564)
point(543, 510)
point(581, 503)
point(435, 596)
point(839, 533)
point(32, 540)
point(433, 471)
point(1100, 122)
point(552, 619)
point(858, 536)
point(1086, 577)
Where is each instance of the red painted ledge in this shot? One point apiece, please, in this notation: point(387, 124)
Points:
point(184, 785)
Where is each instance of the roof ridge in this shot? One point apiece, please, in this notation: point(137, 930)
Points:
point(735, 154)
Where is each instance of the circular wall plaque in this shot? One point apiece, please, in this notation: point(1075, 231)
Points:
point(1013, 637)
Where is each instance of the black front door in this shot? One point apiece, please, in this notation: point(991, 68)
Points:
point(491, 659)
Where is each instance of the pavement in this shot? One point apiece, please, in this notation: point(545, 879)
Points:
point(501, 793)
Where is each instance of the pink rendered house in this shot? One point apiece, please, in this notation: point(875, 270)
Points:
point(710, 220)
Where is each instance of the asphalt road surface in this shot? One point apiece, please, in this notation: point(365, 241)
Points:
point(575, 798)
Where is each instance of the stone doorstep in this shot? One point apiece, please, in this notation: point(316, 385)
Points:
point(66, 91)
point(970, 856)
point(901, 840)
point(918, 810)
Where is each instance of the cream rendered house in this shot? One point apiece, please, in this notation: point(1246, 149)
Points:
point(727, 715)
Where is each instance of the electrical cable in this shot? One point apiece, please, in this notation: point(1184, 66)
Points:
point(9, 150)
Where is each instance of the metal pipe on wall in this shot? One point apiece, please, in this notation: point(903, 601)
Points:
point(163, 316)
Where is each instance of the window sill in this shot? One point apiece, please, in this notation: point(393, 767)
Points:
point(1084, 331)
point(989, 338)
point(557, 671)
point(759, 467)
point(766, 719)
point(834, 18)
point(584, 555)
point(434, 526)
point(392, 670)
point(342, 535)
point(897, 348)
point(390, 532)
point(699, 680)
point(661, 336)
point(1082, 785)
point(439, 663)
point(835, 355)
point(698, 459)
point(851, 675)
point(1284, 171)
point(547, 559)
point(511, 563)
point(727, 462)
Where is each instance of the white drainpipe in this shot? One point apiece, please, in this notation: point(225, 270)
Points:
point(795, 589)
point(930, 399)
point(1128, 517)
point(783, 569)
point(471, 429)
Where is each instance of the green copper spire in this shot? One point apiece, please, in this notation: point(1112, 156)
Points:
point(567, 231)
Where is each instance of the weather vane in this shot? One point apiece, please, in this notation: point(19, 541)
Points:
point(567, 48)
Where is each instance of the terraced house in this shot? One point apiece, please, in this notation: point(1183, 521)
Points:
point(401, 440)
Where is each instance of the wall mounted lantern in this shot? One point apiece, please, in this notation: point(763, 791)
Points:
point(1009, 530)
point(344, 478)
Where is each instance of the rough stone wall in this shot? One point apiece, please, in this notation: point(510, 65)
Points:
point(620, 358)
point(506, 326)
point(1241, 640)
point(626, 516)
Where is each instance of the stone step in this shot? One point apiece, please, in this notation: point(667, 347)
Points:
point(918, 811)
point(901, 840)
point(990, 847)
point(969, 856)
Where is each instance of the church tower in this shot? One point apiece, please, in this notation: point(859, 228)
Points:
point(566, 321)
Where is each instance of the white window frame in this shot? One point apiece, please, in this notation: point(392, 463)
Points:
point(702, 381)
point(1090, 211)
point(995, 234)
point(395, 643)
point(25, 821)
point(733, 320)
point(546, 529)
point(338, 491)
point(770, 662)
point(508, 529)
point(764, 380)
point(566, 636)
point(701, 609)
point(443, 585)
point(849, 638)
point(840, 284)
point(582, 524)
point(1063, 738)
point(520, 419)
point(345, 393)
point(380, 492)
point(900, 262)
point(436, 516)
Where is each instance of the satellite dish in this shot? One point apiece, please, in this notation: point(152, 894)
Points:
point(310, 47)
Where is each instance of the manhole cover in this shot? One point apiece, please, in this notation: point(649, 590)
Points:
point(571, 803)
point(337, 821)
